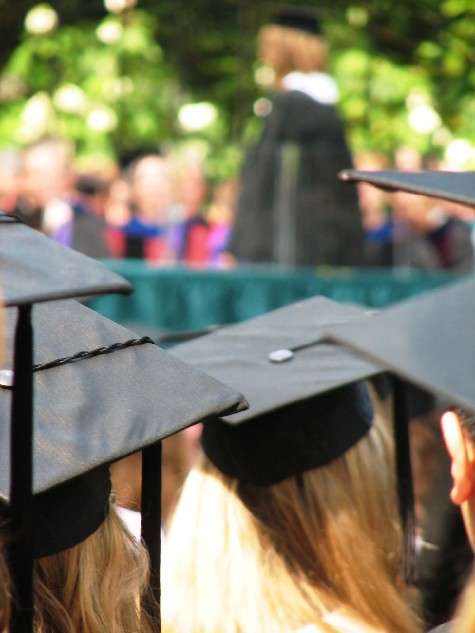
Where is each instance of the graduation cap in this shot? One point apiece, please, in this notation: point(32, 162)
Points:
point(428, 340)
point(301, 392)
point(447, 185)
point(431, 340)
point(300, 18)
point(307, 404)
point(73, 346)
point(34, 269)
point(100, 394)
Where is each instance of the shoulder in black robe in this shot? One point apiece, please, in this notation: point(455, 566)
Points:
point(325, 220)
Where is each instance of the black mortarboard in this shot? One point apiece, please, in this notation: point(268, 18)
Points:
point(448, 185)
point(34, 269)
point(300, 18)
point(100, 394)
point(306, 406)
point(429, 340)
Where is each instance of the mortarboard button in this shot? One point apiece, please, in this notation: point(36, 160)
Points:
point(281, 356)
point(323, 391)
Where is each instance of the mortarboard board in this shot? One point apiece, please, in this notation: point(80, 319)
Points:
point(431, 337)
point(300, 18)
point(100, 394)
point(288, 376)
point(453, 186)
point(429, 340)
point(33, 269)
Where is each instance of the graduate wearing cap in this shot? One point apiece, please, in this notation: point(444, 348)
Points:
point(429, 341)
point(87, 393)
point(115, 397)
point(292, 210)
point(292, 503)
point(34, 269)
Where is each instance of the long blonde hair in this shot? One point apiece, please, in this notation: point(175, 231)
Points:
point(242, 559)
point(95, 586)
point(286, 50)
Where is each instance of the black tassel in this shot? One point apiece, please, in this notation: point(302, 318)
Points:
point(404, 479)
point(152, 526)
point(21, 477)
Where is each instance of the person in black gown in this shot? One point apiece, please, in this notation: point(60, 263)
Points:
point(292, 209)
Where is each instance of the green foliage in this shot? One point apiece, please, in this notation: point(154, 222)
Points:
point(115, 82)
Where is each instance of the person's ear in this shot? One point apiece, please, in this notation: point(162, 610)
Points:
point(463, 463)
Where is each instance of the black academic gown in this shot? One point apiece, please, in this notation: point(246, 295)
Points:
point(292, 208)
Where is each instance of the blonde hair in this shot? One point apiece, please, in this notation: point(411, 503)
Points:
point(243, 559)
point(286, 50)
point(95, 586)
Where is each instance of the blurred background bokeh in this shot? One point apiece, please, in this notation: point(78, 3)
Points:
point(122, 76)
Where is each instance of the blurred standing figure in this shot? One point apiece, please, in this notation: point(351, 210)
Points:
point(292, 208)
point(427, 235)
point(9, 179)
point(45, 200)
point(190, 228)
point(145, 235)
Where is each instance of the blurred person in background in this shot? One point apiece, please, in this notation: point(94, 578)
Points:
point(117, 207)
point(428, 235)
point(220, 217)
point(10, 163)
point(413, 231)
point(375, 213)
point(46, 200)
point(46, 181)
point(190, 228)
point(292, 209)
point(145, 234)
point(407, 159)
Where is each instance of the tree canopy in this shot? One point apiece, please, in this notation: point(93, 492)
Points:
point(121, 75)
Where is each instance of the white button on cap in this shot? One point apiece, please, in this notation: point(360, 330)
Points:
point(6, 378)
point(281, 355)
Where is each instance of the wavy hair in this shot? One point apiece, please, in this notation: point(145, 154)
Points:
point(286, 50)
point(241, 558)
point(95, 586)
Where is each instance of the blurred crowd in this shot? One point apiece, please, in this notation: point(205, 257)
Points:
point(162, 209)
point(402, 229)
point(156, 208)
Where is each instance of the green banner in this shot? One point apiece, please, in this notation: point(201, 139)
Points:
point(178, 298)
